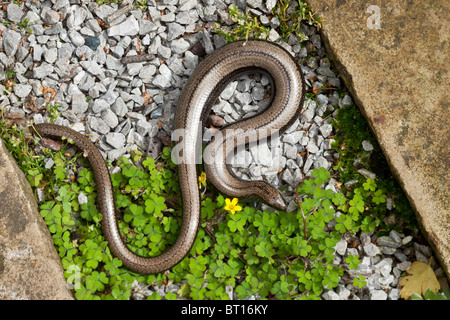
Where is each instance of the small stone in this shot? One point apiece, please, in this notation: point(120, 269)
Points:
point(273, 35)
point(42, 71)
point(378, 295)
point(255, 4)
point(312, 148)
point(51, 55)
point(405, 265)
point(331, 295)
point(394, 294)
point(325, 130)
point(346, 101)
point(179, 46)
point(367, 174)
point(65, 52)
point(115, 139)
point(11, 40)
point(169, 17)
point(146, 26)
point(119, 107)
point(92, 42)
point(395, 236)
point(186, 5)
point(60, 4)
point(386, 281)
point(364, 238)
point(99, 106)
point(341, 247)
point(79, 104)
point(371, 250)
point(242, 159)
point(134, 68)
point(129, 27)
point(243, 98)
point(165, 53)
point(110, 118)
point(406, 240)
point(258, 93)
point(76, 38)
point(174, 31)
point(316, 41)
point(308, 115)
point(423, 249)
point(400, 256)
point(14, 12)
point(22, 90)
point(158, 113)
point(270, 4)
point(92, 67)
point(367, 146)
point(229, 90)
point(49, 16)
point(388, 250)
point(162, 80)
point(350, 183)
point(82, 199)
point(343, 292)
point(99, 125)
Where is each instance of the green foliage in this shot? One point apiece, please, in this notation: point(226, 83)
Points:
point(24, 25)
point(351, 130)
point(273, 254)
point(291, 15)
point(431, 295)
point(248, 26)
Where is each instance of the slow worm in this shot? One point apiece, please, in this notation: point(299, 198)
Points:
point(200, 93)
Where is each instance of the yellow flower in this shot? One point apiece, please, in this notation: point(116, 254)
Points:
point(231, 205)
point(202, 180)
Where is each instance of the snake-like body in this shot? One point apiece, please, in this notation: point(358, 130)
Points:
point(196, 99)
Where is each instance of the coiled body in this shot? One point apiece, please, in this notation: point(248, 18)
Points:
point(195, 101)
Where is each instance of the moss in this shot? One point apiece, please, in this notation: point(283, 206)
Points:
point(351, 130)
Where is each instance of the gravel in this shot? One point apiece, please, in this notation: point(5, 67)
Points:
point(69, 52)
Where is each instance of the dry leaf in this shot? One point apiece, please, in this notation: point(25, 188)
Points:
point(30, 103)
point(421, 277)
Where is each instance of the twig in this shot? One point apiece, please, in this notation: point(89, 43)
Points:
point(124, 10)
point(138, 58)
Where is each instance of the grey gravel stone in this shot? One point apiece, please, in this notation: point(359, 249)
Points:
point(22, 90)
point(42, 71)
point(341, 247)
point(14, 12)
point(367, 174)
point(115, 139)
point(326, 129)
point(99, 125)
point(11, 40)
point(179, 46)
point(378, 295)
point(403, 266)
point(49, 16)
point(387, 241)
point(367, 146)
point(130, 27)
point(162, 80)
point(371, 250)
point(79, 104)
point(331, 295)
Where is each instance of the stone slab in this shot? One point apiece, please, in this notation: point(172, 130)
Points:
point(30, 268)
point(393, 57)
